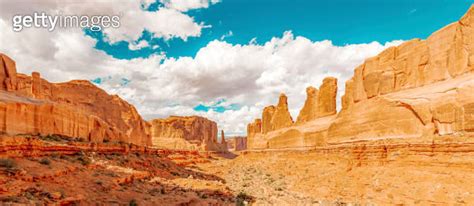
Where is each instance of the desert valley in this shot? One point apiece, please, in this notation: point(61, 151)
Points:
point(404, 136)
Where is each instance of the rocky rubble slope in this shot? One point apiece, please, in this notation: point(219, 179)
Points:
point(53, 170)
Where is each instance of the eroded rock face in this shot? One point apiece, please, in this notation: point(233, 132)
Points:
point(267, 116)
point(223, 137)
point(418, 89)
point(185, 133)
point(7, 73)
point(277, 130)
point(77, 108)
point(320, 103)
point(237, 143)
point(327, 97)
point(281, 117)
point(444, 55)
point(310, 108)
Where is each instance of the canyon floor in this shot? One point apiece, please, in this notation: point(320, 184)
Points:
point(423, 173)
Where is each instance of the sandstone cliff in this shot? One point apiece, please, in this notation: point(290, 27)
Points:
point(185, 133)
point(281, 118)
point(237, 143)
point(31, 105)
point(319, 103)
point(419, 89)
point(310, 108)
point(311, 126)
point(223, 141)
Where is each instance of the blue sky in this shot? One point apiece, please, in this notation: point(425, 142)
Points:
point(341, 21)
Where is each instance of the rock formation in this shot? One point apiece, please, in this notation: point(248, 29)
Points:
point(320, 103)
point(281, 118)
point(31, 105)
point(312, 123)
point(7, 73)
point(327, 97)
point(255, 127)
point(267, 118)
point(237, 143)
point(222, 137)
point(310, 109)
point(419, 89)
point(185, 133)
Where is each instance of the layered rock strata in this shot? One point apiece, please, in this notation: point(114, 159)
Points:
point(186, 133)
point(237, 143)
point(310, 128)
point(319, 103)
point(32, 105)
point(419, 89)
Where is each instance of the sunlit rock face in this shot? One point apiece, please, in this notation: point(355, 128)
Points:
point(237, 143)
point(281, 118)
point(31, 105)
point(319, 103)
point(421, 88)
point(186, 133)
point(276, 129)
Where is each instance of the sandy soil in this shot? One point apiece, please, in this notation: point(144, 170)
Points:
point(314, 178)
point(108, 179)
point(367, 174)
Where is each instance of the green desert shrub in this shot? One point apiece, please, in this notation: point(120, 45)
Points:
point(242, 199)
point(133, 203)
point(45, 161)
point(7, 163)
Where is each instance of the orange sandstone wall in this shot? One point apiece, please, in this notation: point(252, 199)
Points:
point(237, 143)
point(31, 105)
point(419, 89)
point(276, 129)
point(186, 133)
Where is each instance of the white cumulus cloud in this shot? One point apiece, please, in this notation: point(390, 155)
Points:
point(248, 75)
point(185, 5)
